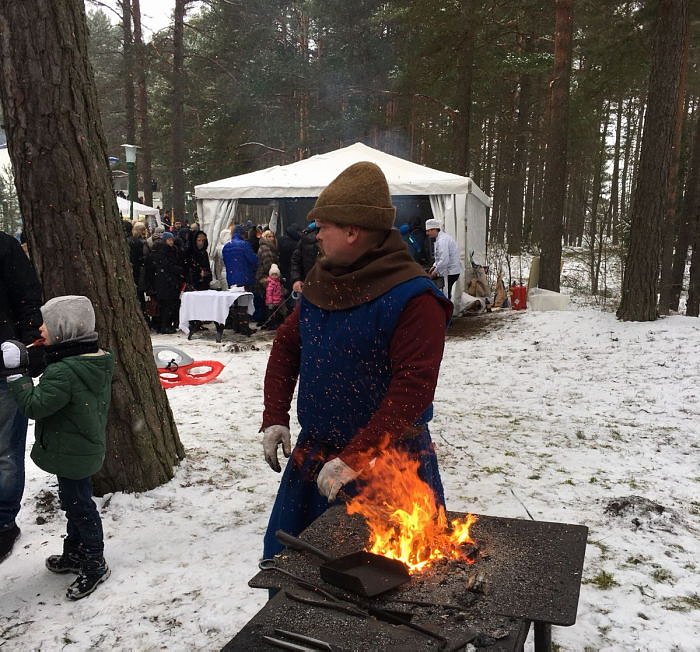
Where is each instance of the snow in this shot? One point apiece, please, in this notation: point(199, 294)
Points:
point(558, 412)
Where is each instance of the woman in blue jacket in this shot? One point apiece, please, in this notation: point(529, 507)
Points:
point(241, 263)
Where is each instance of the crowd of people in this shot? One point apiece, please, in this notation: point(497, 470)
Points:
point(166, 263)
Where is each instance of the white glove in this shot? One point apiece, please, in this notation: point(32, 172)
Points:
point(273, 436)
point(11, 355)
point(333, 476)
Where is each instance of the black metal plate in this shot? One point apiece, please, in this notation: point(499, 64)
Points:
point(533, 569)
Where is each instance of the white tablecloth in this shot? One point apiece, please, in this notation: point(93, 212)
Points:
point(211, 305)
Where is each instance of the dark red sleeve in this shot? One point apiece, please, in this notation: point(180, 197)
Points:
point(416, 352)
point(282, 372)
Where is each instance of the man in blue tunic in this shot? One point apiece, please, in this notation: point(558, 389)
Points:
point(365, 342)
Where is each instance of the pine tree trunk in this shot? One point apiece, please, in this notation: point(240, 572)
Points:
point(501, 180)
point(538, 198)
point(555, 184)
point(145, 157)
point(672, 218)
point(693, 306)
point(466, 68)
point(533, 174)
point(690, 232)
point(516, 192)
point(128, 76)
point(303, 98)
point(71, 219)
point(177, 106)
point(639, 284)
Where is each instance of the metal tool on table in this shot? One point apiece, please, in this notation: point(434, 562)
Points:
point(355, 606)
point(365, 609)
point(310, 644)
point(363, 573)
point(336, 605)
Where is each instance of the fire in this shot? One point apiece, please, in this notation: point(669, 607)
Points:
point(404, 521)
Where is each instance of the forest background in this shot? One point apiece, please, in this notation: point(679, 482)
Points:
point(228, 87)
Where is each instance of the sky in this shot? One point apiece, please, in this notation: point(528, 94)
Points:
point(559, 413)
point(155, 14)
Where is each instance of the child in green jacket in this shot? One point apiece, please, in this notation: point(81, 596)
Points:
point(70, 406)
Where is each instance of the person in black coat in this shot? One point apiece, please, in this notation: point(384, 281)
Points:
point(285, 249)
point(253, 238)
point(136, 242)
point(127, 226)
point(137, 259)
point(304, 257)
point(197, 265)
point(20, 319)
point(164, 280)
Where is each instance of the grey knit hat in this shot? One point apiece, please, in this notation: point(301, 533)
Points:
point(69, 318)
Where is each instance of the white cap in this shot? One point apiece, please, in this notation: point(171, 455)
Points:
point(274, 270)
point(432, 224)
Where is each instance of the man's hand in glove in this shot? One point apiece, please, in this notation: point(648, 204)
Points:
point(273, 436)
point(333, 476)
point(14, 354)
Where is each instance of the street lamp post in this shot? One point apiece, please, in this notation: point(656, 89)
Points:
point(130, 153)
point(188, 198)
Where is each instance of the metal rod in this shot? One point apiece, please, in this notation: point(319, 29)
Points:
point(286, 645)
point(522, 504)
point(303, 639)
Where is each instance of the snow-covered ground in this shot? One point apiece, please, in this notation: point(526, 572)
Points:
point(558, 412)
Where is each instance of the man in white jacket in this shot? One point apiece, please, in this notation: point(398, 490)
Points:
point(447, 264)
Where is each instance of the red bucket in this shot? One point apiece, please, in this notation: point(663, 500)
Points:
point(519, 297)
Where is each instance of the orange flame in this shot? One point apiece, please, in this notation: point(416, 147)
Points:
point(404, 521)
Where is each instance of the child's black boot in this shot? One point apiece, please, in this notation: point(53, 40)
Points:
point(92, 574)
point(70, 561)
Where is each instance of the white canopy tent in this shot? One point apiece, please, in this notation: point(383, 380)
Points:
point(456, 201)
point(139, 209)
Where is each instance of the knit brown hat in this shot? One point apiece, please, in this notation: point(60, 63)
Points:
point(359, 195)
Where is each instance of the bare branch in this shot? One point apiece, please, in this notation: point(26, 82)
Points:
point(103, 5)
point(273, 149)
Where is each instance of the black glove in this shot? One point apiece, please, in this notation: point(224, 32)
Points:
point(37, 361)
